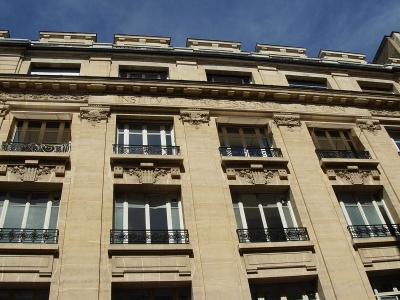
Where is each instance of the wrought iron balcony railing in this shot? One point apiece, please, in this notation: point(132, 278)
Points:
point(36, 147)
point(121, 236)
point(378, 230)
point(272, 235)
point(343, 154)
point(16, 235)
point(140, 149)
point(250, 151)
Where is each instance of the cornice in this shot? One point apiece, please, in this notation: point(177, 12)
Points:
point(95, 85)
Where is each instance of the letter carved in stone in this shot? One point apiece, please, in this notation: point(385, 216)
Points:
point(195, 117)
point(94, 114)
point(288, 120)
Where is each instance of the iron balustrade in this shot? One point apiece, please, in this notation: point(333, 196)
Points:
point(343, 154)
point(16, 235)
point(272, 235)
point(250, 151)
point(140, 149)
point(377, 230)
point(121, 236)
point(36, 147)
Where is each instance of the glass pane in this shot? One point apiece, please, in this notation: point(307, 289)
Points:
point(135, 128)
point(31, 136)
point(55, 204)
point(154, 140)
point(134, 139)
point(273, 217)
point(271, 293)
point(293, 292)
point(50, 137)
point(234, 137)
point(163, 295)
point(153, 129)
point(18, 131)
point(66, 136)
point(158, 213)
point(237, 216)
point(2, 198)
point(119, 211)
point(168, 140)
point(250, 137)
point(288, 216)
point(37, 211)
point(138, 295)
point(338, 142)
point(252, 211)
point(136, 212)
point(369, 209)
point(15, 211)
point(175, 214)
point(24, 295)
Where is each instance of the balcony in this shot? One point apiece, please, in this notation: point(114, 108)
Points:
point(16, 235)
point(250, 152)
point(379, 230)
point(349, 154)
point(146, 150)
point(272, 235)
point(36, 147)
point(149, 236)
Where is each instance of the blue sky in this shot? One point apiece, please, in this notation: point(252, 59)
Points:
point(342, 25)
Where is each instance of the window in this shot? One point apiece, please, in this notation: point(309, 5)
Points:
point(152, 75)
point(138, 138)
point(28, 211)
point(376, 87)
point(245, 141)
point(386, 287)
point(312, 83)
point(55, 71)
point(24, 294)
point(366, 214)
point(264, 218)
point(288, 291)
point(395, 136)
point(333, 139)
point(36, 131)
point(162, 294)
point(149, 218)
point(240, 79)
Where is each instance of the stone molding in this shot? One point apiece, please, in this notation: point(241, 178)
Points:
point(195, 117)
point(94, 114)
point(44, 96)
point(289, 120)
point(31, 170)
point(383, 112)
point(368, 124)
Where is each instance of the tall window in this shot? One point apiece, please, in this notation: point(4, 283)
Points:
point(364, 209)
point(333, 139)
point(386, 287)
point(152, 75)
point(269, 213)
point(147, 212)
point(240, 79)
point(395, 136)
point(30, 210)
point(36, 131)
point(288, 291)
point(157, 138)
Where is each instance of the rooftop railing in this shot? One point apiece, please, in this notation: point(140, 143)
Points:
point(36, 147)
point(17, 235)
point(358, 154)
point(260, 235)
point(140, 149)
point(250, 151)
point(378, 230)
point(121, 236)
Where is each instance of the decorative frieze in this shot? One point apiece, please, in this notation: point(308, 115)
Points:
point(146, 173)
point(289, 120)
point(43, 97)
point(195, 117)
point(94, 114)
point(31, 170)
point(352, 175)
point(368, 124)
point(383, 112)
point(256, 174)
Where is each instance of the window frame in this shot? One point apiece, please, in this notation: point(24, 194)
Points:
point(352, 146)
point(376, 87)
point(260, 132)
point(257, 291)
point(395, 137)
point(382, 295)
point(57, 71)
point(244, 79)
point(160, 74)
point(42, 131)
point(307, 82)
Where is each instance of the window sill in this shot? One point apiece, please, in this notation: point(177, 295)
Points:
point(344, 162)
point(375, 242)
point(29, 248)
point(275, 246)
point(115, 249)
point(43, 156)
point(227, 161)
point(121, 158)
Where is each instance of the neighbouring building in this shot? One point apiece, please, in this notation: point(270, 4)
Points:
point(143, 171)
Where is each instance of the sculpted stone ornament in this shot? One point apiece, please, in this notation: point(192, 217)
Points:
point(257, 176)
point(31, 172)
point(288, 120)
point(354, 177)
point(46, 96)
point(94, 114)
point(383, 112)
point(147, 175)
point(195, 117)
point(368, 124)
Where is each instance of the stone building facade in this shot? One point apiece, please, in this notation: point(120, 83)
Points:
point(139, 170)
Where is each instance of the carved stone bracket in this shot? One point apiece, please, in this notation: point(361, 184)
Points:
point(195, 117)
point(94, 114)
point(256, 174)
point(31, 170)
point(146, 173)
point(368, 124)
point(353, 175)
point(288, 120)
point(4, 109)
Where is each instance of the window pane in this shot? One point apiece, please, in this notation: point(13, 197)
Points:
point(17, 136)
point(154, 140)
point(2, 198)
point(163, 295)
point(153, 129)
point(234, 137)
point(237, 215)
point(55, 204)
point(16, 208)
point(252, 211)
point(136, 213)
point(134, 139)
point(158, 212)
point(175, 214)
point(288, 216)
point(271, 293)
point(369, 209)
point(272, 216)
point(250, 137)
point(37, 211)
point(119, 211)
